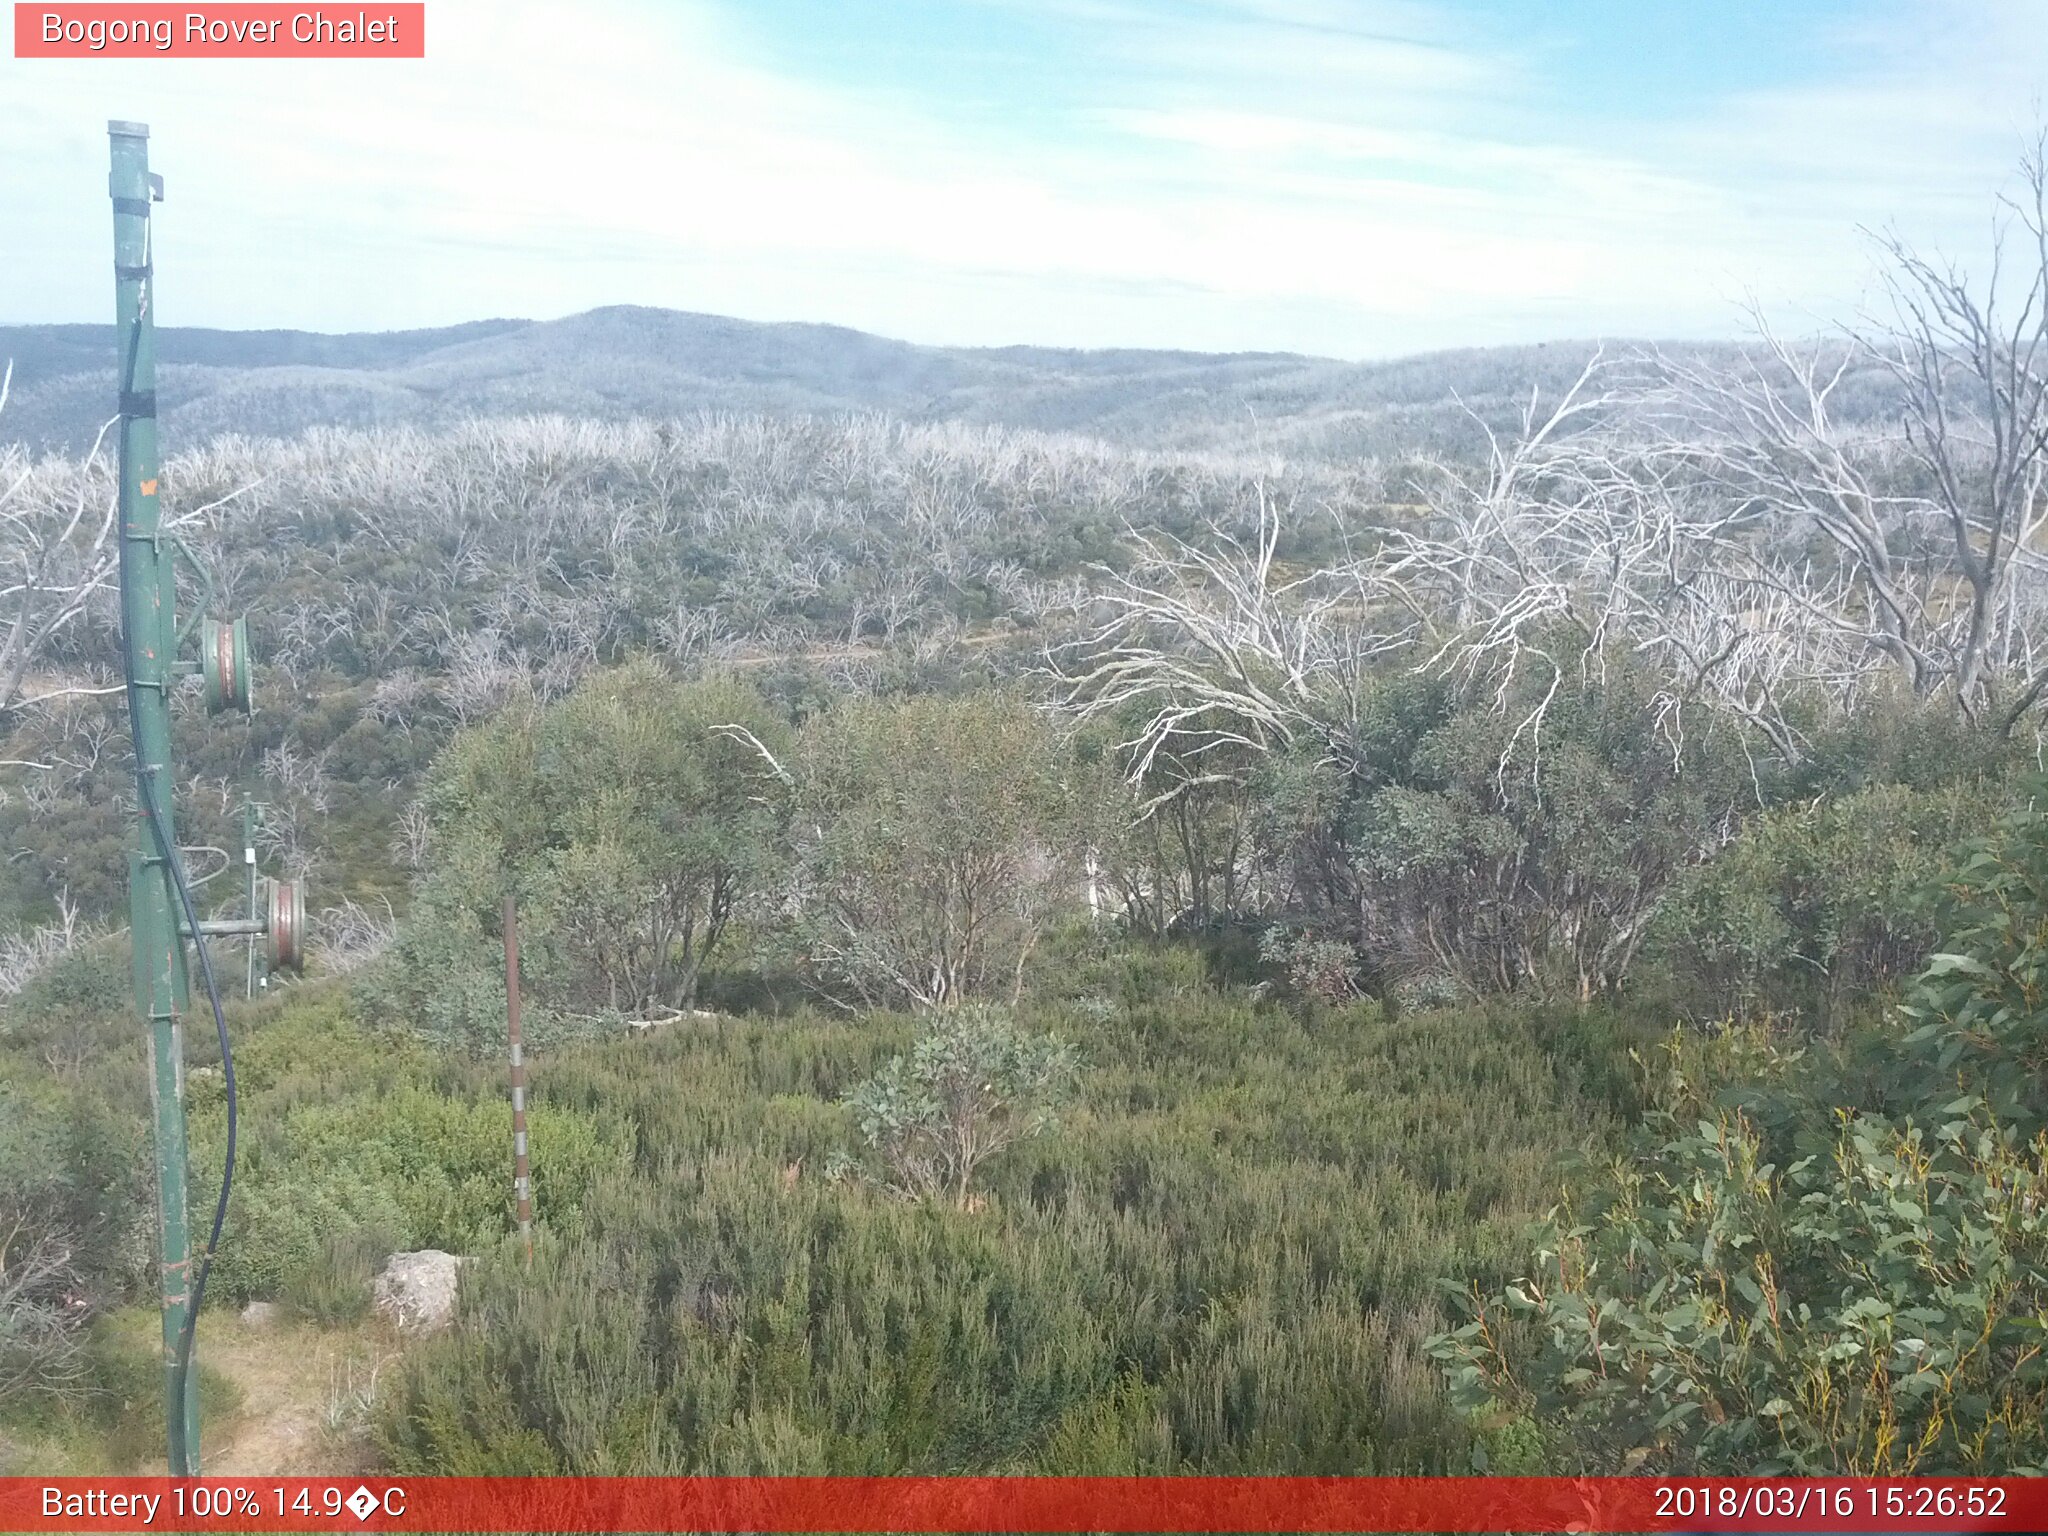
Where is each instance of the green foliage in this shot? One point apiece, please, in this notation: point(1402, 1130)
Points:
point(1176, 855)
point(1563, 831)
point(1824, 1261)
point(1813, 905)
point(1456, 845)
point(1981, 1009)
point(74, 1195)
point(1503, 860)
point(1312, 965)
point(634, 819)
point(82, 989)
point(73, 1168)
point(1223, 1263)
point(663, 804)
point(945, 833)
point(1870, 1307)
point(443, 977)
point(334, 1289)
point(971, 1086)
point(355, 1141)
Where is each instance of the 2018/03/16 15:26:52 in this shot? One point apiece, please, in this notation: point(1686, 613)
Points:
point(1934, 1501)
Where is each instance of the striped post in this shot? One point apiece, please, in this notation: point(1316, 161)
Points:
point(255, 909)
point(522, 1181)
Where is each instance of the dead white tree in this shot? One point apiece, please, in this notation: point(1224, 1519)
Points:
point(1929, 522)
point(352, 935)
point(1554, 548)
point(1577, 540)
point(411, 836)
point(26, 953)
point(483, 674)
point(1761, 435)
point(300, 775)
point(400, 697)
point(42, 1317)
point(1216, 652)
point(1221, 653)
point(1971, 367)
point(57, 557)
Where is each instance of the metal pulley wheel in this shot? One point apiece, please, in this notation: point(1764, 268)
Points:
point(284, 921)
point(224, 659)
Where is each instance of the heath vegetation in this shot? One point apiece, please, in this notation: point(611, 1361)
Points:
point(1055, 955)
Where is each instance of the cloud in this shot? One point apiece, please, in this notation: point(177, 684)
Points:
point(1299, 174)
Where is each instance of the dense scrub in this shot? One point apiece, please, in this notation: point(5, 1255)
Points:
point(356, 1145)
point(1302, 850)
point(401, 584)
point(1228, 1257)
point(668, 837)
point(1225, 1261)
point(1816, 1257)
point(1225, 1258)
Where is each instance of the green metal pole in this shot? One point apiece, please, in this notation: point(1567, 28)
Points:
point(149, 622)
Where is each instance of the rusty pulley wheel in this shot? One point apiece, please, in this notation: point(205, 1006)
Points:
point(284, 918)
point(224, 660)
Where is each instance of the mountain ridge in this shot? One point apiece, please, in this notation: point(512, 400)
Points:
point(627, 360)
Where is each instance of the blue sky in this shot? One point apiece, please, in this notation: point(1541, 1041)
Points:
point(1352, 177)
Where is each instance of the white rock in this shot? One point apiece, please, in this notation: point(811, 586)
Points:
point(260, 1314)
point(417, 1290)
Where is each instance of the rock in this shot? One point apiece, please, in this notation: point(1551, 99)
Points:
point(260, 1314)
point(417, 1290)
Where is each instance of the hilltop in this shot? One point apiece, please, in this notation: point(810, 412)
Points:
point(623, 362)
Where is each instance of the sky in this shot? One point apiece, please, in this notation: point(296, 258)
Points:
point(1352, 178)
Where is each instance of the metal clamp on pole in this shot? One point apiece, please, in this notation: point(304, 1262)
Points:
point(281, 923)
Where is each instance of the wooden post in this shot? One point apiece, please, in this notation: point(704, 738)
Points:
point(522, 1182)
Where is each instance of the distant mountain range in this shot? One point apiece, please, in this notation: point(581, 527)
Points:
point(625, 361)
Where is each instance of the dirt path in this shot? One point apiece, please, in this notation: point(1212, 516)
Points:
point(304, 1391)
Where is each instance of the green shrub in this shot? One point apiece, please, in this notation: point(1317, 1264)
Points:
point(73, 1174)
point(1813, 906)
point(1869, 1307)
point(1456, 845)
point(1313, 965)
point(635, 820)
point(1225, 1262)
point(333, 1290)
point(1980, 1011)
point(1822, 1261)
point(357, 1137)
point(972, 1085)
point(944, 835)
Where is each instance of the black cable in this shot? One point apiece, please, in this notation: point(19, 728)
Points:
point(160, 827)
point(227, 1075)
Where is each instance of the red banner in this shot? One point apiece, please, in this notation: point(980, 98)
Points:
point(994, 1504)
point(236, 31)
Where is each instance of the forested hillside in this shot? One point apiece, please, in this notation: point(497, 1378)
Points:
point(1161, 949)
point(624, 363)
